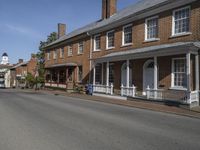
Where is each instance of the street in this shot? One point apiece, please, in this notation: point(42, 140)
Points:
point(36, 121)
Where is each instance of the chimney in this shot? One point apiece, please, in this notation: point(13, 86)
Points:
point(61, 30)
point(20, 61)
point(109, 7)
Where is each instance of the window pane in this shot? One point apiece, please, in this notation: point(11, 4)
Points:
point(180, 72)
point(111, 39)
point(182, 20)
point(128, 35)
point(152, 28)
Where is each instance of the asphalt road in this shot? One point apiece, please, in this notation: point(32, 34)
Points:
point(30, 121)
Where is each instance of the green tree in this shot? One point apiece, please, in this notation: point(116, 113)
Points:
point(30, 80)
point(41, 56)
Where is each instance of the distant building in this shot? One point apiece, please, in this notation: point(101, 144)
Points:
point(5, 76)
point(20, 71)
point(4, 60)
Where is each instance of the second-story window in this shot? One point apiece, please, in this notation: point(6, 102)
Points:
point(127, 35)
point(80, 48)
point(151, 28)
point(55, 54)
point(181, 21)
point(110, 39)
point(70, 50)
point(48, 55)
point(61, 52)
point(97, 42)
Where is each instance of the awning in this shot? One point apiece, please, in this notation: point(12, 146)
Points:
point(62, 65)
point(146, 52)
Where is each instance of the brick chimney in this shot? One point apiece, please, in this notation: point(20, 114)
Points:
point(20, 61)
point(109, 7)
point(61, 30)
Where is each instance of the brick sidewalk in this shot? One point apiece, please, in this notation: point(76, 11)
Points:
point(137, 104)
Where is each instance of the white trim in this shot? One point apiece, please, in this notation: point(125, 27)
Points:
point(144, 74)
point(151, 18)
point(68, 50)
point(172, 75)
point(173, 24)
point(197, 72)
point(155, 72)
point(94, 43)
point(79, 47)
point(108, 48)
point(188, 70)
point(126, 44)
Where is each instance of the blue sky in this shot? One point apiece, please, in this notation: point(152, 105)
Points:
point(24, 23)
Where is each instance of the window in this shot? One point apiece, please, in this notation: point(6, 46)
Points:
point(48, 55)
point(80, 73)
point(80, 48)
point(70, 50)
point(62, 76)
point(61, 52)
point(110, 39)
point(181, 21)
point(54, 54)
point(111, 73)
point(179, 73)
point(127, 35)
point(97, 42)
point(151, 28)
point(98, 74)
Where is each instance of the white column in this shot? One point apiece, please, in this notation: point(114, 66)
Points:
point(107, 74)
point(197, 72)
point(94, 74)
point(188, 65)
point(155, 73)
point(102, 73)
point(127, 73)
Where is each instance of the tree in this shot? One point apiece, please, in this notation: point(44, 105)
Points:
point(30, 80)
point(41, 55)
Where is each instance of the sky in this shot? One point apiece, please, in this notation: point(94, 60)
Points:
point(24, 23)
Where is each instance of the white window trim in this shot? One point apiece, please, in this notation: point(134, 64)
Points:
point(94, 42)
point(48, 55)
point(79, 48)
point(172, 76)
point(68, 54)
point(62, 56)
point(127, 44)
point(173, 23)
point(146, 20)
point(108, 48)
point(55, 54)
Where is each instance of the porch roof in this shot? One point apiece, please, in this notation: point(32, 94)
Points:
point(62, 65)
point(146, 52)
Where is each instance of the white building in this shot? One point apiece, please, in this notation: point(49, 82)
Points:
point(5, 59)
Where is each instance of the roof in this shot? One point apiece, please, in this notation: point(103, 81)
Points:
point(20, 64)
point(180, 47)
point(134, 9)
point(63, 65)
point(5, 54)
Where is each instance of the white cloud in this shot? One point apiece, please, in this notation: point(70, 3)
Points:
point(24, 30)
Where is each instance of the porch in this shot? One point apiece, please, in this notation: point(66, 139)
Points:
point(61, 76)
point(164, 72)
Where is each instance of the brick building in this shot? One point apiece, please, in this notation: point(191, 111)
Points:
point(20, 71)
point(149, 49)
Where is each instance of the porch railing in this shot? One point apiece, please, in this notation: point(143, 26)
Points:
point(176, 95)
point(128, 91)
point(103, 89)
point(56, 85)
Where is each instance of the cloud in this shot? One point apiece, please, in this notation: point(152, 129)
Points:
point(24, 31)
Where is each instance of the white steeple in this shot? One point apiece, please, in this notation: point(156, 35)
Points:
point(5, 59)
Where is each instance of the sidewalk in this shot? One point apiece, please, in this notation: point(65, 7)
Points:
point(134, 103)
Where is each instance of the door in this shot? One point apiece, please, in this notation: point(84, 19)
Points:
point(148, 75)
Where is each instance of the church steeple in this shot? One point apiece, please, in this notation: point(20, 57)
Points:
point(5, 59)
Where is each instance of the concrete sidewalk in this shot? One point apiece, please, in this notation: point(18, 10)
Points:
point(195, 112)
